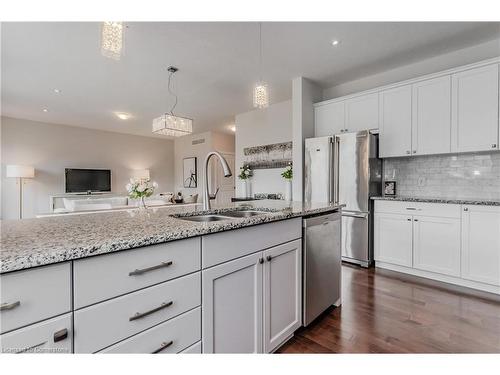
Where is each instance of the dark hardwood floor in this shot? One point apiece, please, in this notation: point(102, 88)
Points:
point(383, 313)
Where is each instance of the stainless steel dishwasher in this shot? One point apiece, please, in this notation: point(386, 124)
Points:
point(321, 264)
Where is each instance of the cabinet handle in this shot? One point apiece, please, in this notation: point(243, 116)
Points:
point(408, 219)
point(144, 270)
point(261, 260)
point(9, 306)
point(466, 209)
point(163, 346)
point(408, 152)
point(61, 335)
point(414, 151)
point(142, 315)
point(268, 258)
point(415, 219)
point(494, 145)
point(411, 208)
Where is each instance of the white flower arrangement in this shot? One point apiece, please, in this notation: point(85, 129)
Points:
point(141, 188)
point(245, 172)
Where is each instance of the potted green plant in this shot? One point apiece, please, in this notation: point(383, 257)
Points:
point(244, 176)
point(287, 174)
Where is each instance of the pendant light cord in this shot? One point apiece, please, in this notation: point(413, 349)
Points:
point(260, 51)
point(172, 93)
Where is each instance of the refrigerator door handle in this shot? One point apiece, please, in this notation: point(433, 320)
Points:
point(336, 164)
point(357, 216)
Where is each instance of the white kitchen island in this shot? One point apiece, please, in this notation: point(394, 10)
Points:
point(160, 284)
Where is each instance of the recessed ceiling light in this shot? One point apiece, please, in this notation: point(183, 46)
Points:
point(123, 115)
point(335, 42)
point(57, 91)
point(45, 110)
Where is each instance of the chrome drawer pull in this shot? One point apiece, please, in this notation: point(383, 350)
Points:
point(144, 270)
point(61, 335)
point(142, 315)
point(164, 345)
point(9, 306)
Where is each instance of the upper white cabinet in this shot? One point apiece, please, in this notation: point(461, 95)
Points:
point(329, 119)
point(475, 109)
point(481, 244)
point(448, 112)
point(361, 113)
point(431, 119)
point(395, 122)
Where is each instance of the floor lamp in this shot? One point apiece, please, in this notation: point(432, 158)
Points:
point(20, 172)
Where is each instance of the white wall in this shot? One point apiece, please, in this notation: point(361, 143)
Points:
point(304, 94)
point(50, 148)
point(435, 64)
point(184, 148)
point(262, 127)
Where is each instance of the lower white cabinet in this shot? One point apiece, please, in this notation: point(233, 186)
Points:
point(457, 244)
point(238, 316)
point(393, 239)
point(436, 244)
point(232, 306)
point(53, 336)
point(172, 336)
point(481, 244)
point(282, 293)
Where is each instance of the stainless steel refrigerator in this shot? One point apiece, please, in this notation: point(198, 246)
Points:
point(345, 169)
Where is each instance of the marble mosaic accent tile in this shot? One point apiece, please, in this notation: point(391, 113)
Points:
point(277, 155)
point(467, 176)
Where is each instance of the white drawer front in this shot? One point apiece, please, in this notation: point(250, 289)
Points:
point(170, 337)
point(33, 295)
point(107, 276)
point(221, 247)
point(418, 208)
point(193, 349)
point(51, 336)
point(101, 325)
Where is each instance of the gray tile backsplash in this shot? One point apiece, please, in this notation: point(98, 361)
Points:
point(446, 176)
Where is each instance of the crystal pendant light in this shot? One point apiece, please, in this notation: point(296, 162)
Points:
point(112, 40)
point(260, 93)
point(170, 124)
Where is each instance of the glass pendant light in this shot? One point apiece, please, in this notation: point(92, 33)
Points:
point(112, 40)
point(260, 93)
point(168, 123)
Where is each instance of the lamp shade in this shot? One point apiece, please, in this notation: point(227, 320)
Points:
point(22, 171)
point(140, 174)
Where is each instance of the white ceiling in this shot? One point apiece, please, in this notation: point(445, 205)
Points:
point(218, 65)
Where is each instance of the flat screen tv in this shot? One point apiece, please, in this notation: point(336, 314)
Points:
point(87, 180)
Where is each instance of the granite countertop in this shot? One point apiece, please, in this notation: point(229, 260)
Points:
point(34, 242)
point(484, 202)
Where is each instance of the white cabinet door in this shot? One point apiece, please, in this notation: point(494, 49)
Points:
point(481, 244)
point(282, 293)
point(329, 119)
point(395, 122)
point(475, 109)
point(436, 244)
point(232, 306)
point(361, 113)
point(393, 239)
point(431, 124)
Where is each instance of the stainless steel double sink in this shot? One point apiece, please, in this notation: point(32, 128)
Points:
point(227, 215)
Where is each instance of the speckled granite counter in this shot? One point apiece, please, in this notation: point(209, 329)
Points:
point(35, 242)
point(484, 202)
